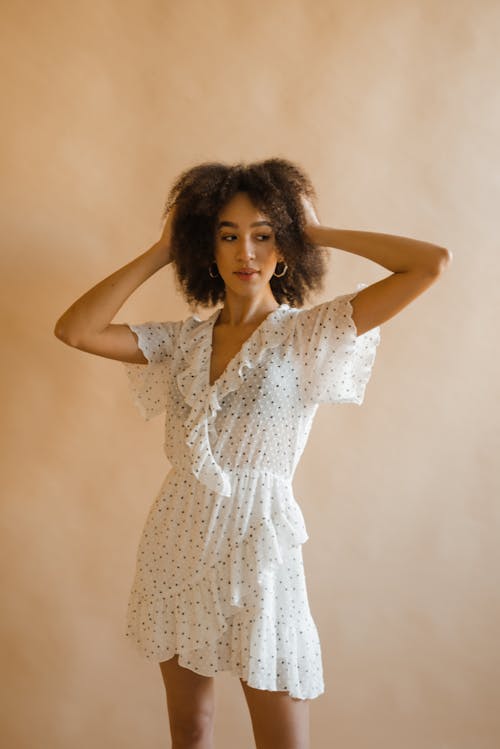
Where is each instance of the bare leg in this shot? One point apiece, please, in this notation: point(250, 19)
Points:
point(191, 706)
point(278, 720)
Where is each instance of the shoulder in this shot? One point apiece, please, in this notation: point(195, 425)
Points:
point(193, 331)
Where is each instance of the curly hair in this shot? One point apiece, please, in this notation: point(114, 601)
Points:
point(275, 187)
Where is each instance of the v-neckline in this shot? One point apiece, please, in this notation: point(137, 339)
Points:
point(246, 342)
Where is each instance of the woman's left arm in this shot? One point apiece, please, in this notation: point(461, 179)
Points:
point(415, 266)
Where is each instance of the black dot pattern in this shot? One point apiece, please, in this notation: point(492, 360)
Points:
point(336, 364)
point(219, 576)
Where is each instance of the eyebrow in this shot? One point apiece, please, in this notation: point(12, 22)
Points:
point(255, 223)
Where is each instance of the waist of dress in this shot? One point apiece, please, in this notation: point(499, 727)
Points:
point(240, 475)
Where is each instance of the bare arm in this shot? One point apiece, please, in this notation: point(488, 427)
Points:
point(86, 325)
point(398, 254)
point(415, 266)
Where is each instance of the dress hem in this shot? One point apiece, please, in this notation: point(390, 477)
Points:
point(232, 670)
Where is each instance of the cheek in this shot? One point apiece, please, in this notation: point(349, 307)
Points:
point(220, 253)
point(270, 256)
point(224, 257)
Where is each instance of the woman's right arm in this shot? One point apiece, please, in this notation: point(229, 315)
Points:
point(87, 326)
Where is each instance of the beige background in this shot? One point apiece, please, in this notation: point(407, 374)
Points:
point(392, 108)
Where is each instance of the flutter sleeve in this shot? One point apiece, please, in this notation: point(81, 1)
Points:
point(148, 382)
point(335, 363)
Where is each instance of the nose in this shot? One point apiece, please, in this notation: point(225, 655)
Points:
point(246, 248)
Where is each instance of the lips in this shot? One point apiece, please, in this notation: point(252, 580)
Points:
point(251, 272)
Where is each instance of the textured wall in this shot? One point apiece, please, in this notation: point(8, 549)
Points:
point(393, 110)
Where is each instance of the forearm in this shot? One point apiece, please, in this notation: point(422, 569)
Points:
point(397, 254)
point(95, 309)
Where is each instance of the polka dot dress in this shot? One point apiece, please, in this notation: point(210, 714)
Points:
point(219, 576)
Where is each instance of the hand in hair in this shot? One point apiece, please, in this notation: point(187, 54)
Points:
point(166, 235)
point(310, 212)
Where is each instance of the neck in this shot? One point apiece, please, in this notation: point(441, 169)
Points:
point(240, 311)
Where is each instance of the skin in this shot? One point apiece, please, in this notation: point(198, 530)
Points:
point(278, 720)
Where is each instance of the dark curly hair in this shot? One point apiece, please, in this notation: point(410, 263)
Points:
point(275, 187)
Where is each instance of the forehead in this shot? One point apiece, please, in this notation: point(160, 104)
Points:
point(241, 204)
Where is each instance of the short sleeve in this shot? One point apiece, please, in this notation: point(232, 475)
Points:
point(148, 382)
point(334, 362)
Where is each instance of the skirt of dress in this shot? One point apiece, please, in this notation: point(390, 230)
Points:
point(220, 581)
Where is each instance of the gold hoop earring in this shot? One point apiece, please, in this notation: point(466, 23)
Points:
point(280, 275)
point(210, 270)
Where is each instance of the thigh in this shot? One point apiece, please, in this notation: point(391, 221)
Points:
point(190, 696)
point(278, 720)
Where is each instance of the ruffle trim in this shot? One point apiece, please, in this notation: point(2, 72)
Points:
point(240, 562)
point(356, 355)
point(192, 620)
point(205, 399)
point(147, 383)
point(360, 350)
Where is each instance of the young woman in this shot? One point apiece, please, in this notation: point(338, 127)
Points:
point(219, 582)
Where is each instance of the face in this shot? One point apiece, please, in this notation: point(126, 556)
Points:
point(245, 240)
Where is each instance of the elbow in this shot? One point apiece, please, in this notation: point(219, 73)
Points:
point(63, 334)
point(59, 330)
point(443, 258)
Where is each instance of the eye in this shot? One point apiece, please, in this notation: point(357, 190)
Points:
point(262, 237)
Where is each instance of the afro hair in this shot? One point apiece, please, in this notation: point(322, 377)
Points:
point(275, 186)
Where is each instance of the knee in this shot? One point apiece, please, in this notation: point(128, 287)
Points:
point(192, 731)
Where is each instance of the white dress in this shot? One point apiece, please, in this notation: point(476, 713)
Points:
point(219, 576)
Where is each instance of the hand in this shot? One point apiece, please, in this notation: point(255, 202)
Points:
point(166, 236)
point(310, 212)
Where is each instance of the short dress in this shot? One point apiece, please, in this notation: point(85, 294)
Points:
point(219, 576)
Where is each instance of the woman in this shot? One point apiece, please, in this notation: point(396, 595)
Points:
point(219, 581)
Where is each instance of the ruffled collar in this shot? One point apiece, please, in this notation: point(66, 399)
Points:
point(205, 399)
point(267, 335)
